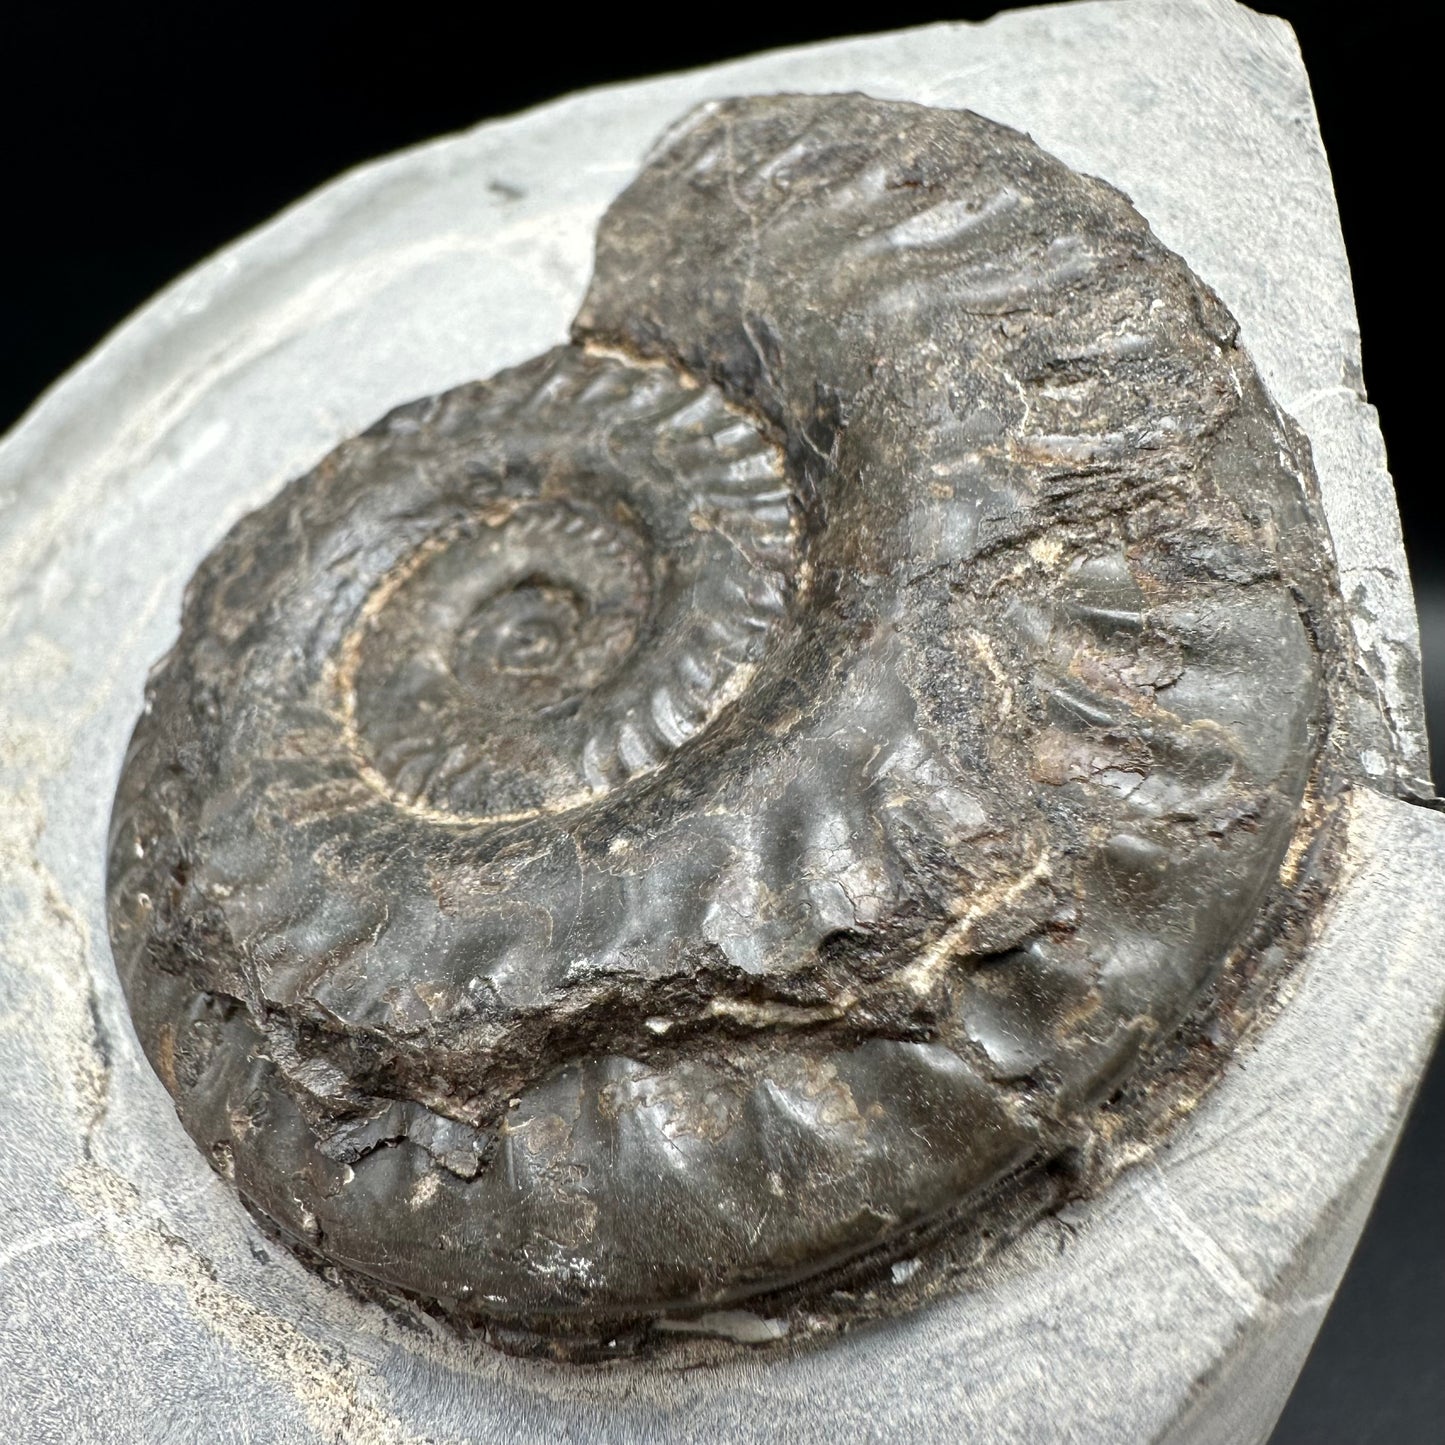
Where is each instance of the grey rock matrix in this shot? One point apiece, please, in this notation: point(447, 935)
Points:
point(1176, 1305)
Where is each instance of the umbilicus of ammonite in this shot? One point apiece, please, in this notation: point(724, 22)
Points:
point(779, 783)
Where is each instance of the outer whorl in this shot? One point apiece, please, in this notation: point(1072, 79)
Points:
point(809, 767)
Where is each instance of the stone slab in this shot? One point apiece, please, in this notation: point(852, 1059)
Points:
point(138, 1301)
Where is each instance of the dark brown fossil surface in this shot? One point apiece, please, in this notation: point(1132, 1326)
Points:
point(658, 829)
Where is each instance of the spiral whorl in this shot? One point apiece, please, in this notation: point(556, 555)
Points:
point(671, 820)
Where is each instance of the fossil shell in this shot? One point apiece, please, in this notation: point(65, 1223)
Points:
point(652, 828)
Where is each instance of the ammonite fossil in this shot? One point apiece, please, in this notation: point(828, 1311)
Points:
point(806, 773)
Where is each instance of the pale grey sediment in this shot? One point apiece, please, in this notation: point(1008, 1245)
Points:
point(422, 277)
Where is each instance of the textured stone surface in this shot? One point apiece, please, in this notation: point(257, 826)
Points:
point(125, 1259)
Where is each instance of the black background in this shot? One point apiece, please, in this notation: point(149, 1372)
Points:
point(136, 141)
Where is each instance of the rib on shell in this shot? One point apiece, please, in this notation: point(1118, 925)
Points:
point(648, 829)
